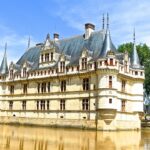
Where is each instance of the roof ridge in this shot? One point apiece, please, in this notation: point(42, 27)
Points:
point(75, 36)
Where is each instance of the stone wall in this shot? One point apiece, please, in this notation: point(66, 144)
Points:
point(122, 121)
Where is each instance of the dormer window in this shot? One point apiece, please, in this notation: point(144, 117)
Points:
point(62, 66)
point(111, 61)
point(47, 57)
point(84, 63)
point(24, 72)
point(52, 56)
point(11, 74)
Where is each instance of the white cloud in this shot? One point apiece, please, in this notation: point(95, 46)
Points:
point(16, 44)
point(124, 16)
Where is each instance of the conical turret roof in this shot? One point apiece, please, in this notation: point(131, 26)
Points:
point(4, 66)
point(135, 62)
point(107, 44)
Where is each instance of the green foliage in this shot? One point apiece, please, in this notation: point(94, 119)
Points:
point(144, 56)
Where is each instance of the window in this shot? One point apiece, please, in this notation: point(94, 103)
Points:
point(12, 89)
point(105, 62)
point(43, 88)
point(95, 65)
point(67, 69)
point(11, 74)
point(47, 57)
point(38, 88)
point(85, 84)
point(24, 72)
point(48, 86)
point(100, 63)
point(25, 86)
point(48, 105)
point(37, 105)
point(111, 62)
point(72, 68)
point(24, 105)
point(84, 63)
point(42, 58)
point(110, 81)
point(90, 66)
point(123, 85)
point(141, 73)
point(10, 105)
point(136, 73)
point(62, 104)
point(42, 105)
point(110, 101)
point(62, 66)
point(85, 104)
point(63, 85)
point(52, 55)
point(123, 105)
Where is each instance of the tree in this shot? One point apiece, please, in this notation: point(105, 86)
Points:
point(144, 56)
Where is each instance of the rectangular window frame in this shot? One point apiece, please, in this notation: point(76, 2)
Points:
point(11, 105)
point(86, 84)
point(24, 104)
point(12, 89)
point(85, 104)
point(110, 82)
point(62, 104)
point(123, 105)
point(63, 85)
point(84, 63)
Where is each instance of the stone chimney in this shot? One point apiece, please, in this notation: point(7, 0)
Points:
point(89, 28)
point(56, 36)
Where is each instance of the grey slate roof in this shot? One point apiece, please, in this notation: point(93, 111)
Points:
point(4, 66)
point(71, 47)
point(32, 55)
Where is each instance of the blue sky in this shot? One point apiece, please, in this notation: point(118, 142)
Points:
point(20, 19)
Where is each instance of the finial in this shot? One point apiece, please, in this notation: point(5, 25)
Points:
point(103, 22)
point(48, 36)
point(134, 35)
point(5, 47)
point(29, 42)
point(107, 21)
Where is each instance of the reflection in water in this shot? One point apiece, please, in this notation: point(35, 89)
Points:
point(34, 138)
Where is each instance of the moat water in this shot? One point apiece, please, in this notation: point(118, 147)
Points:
point(38, 138)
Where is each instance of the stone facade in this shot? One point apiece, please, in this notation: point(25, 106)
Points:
point(51, 85)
